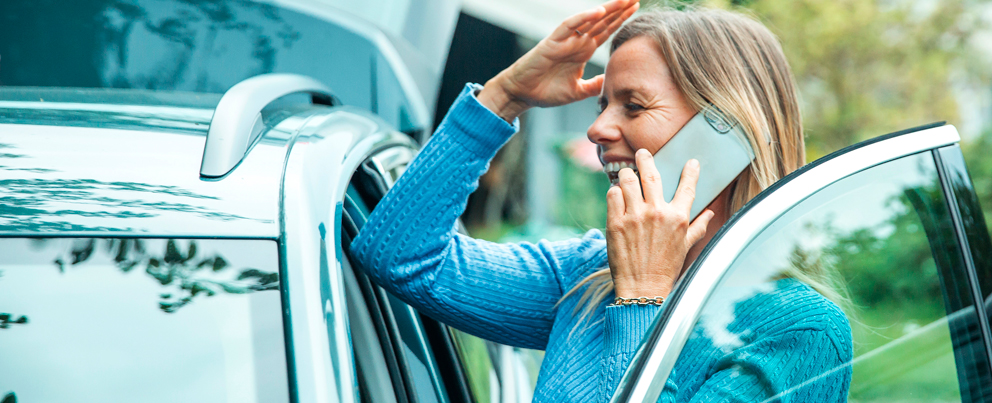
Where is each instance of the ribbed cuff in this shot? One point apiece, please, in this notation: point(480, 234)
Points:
point(626, 326)
point(482, 131)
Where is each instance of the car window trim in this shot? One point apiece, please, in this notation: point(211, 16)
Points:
point(952, 200)
point(378, 171)
point(651, 366)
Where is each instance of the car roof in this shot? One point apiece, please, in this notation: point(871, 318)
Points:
point(387, 63)
point(97, 161)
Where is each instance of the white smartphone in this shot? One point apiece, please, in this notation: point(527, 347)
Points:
point(720, 147)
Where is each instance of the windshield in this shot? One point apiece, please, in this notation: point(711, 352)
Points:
point(149, 320)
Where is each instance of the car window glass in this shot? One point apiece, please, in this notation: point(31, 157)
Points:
point(402, 323)
point(149, 320)
point(973, 223)
point(868, 267)
point(478, 364)
point(370, 361)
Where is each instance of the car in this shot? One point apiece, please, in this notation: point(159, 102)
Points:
point(174, 231)
point(107, 165)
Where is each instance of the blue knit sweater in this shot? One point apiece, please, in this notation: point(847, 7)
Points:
point(508, 292)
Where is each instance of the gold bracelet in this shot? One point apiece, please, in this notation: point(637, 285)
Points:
point(639, 301)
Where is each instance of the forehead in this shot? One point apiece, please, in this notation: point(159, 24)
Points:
point(637, 65)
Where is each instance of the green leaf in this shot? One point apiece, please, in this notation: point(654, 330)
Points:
point(219, 263)
point(264, 278)
point(84, 253)
point(233, 289)
point(127, 266)
point(191, 253)
point(122, 249)
point(172, 255)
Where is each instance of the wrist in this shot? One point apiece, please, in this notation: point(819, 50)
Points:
point(495, 97)
point(641, 289)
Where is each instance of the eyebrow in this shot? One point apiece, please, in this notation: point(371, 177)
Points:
point(620, 93)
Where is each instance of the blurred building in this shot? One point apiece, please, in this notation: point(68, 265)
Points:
point(489, 37)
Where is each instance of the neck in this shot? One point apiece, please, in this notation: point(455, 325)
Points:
point(719, 206)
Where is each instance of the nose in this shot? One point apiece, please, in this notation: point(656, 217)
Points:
point(604, 130)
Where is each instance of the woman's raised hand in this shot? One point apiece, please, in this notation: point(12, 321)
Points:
point(550, 74)
point(647, 239)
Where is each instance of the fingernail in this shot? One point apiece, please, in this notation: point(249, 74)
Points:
point(643, 153)
point(694, 163)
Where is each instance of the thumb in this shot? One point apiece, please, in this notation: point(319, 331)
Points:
point(590, 87)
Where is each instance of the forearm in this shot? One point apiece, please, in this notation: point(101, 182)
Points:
point(504, 292)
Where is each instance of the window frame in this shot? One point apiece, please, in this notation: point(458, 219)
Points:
point(378, 173)
point(662, 345)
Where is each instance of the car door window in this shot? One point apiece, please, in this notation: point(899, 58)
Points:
point(497, 372)
point(973, 224)
point(876, 252)
point(149, 320)
point(434, 358)
point(402, 336)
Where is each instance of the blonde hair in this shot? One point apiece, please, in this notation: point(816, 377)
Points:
point(735, 64)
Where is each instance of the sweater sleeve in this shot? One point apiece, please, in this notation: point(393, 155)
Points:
point(799, 364)
point(409, 245)
point(624, 332)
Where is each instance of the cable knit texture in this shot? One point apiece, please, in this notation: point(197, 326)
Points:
point(788, 342)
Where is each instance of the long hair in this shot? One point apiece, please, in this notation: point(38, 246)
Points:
point(735, 64)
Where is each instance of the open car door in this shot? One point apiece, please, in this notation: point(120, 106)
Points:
point(890, 232)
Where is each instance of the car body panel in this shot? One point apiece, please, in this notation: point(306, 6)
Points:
point(317, 173)
point(65, 175)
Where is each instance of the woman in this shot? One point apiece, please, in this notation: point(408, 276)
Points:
point(664, 67)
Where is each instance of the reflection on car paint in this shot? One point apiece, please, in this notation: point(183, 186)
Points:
point(103, 313)
point(61, 184)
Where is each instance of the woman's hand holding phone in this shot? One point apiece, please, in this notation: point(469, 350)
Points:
point(550, 74)
point(647, 239)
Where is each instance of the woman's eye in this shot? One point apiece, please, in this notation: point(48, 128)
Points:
point(633, 107)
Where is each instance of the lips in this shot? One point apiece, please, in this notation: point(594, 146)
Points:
point(612, 170)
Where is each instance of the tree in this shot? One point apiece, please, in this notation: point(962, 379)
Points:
point(866, 68)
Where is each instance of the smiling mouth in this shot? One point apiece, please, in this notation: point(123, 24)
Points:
point(612, 170)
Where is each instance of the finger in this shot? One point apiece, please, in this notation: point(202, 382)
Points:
point(616, 5)
point(632, 198)
point(697, 230)
point(591, 87)
point(612, 10)
point(614, 204)
point(569, 26)
point(616, 24)
point(612, 19)
point(650, 178)
point(686, 192)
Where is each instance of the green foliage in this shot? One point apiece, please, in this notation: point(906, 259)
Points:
point(583, 191)
point(183, 271)
point(865, 68)
point(895, 292)
point(976, 156)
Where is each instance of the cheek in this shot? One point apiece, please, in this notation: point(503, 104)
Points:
point(650, 133)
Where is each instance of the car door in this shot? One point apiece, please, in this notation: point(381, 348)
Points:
point(888, 236)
